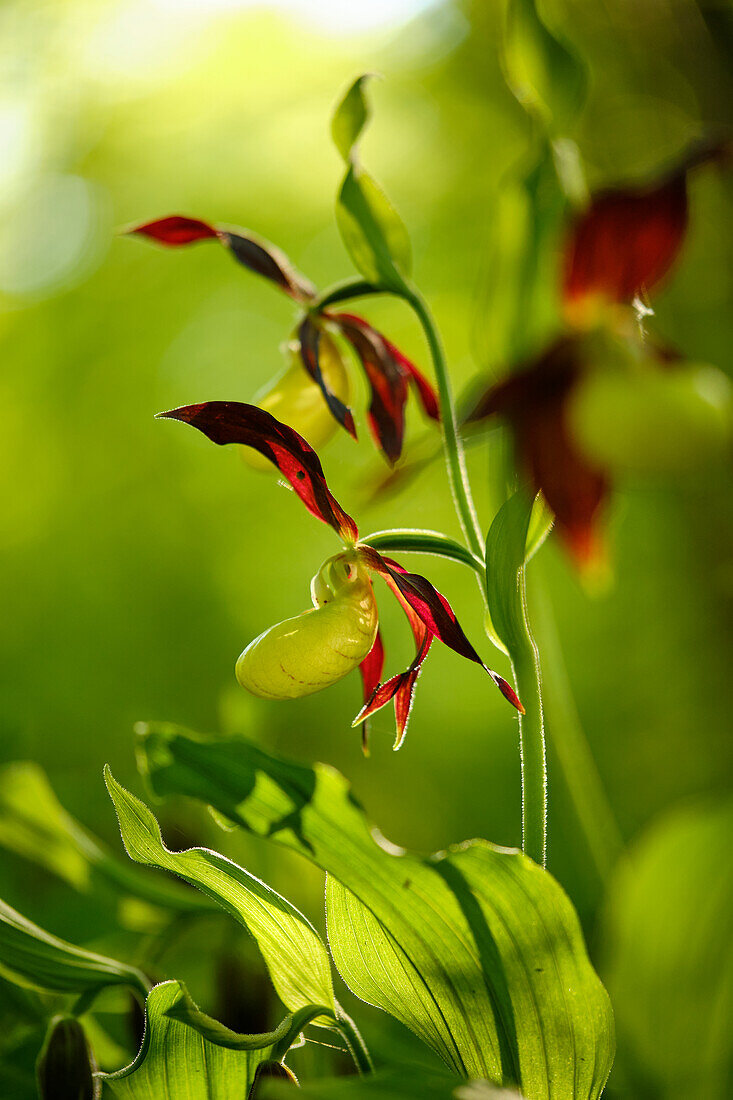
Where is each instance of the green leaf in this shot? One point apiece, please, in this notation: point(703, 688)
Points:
point(518, 530)
point(545, 75)
point(670, 963)
point(185, 1055)
point(350, 117)
point(35, 825)
point(372, 230)
point(292, 949)
point(32, 957)
point(66, 1066)
point(479, 951)
point(408, 1084)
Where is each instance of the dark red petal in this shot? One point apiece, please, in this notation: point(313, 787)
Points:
point(401, 688)
point(425, 391)
point(387, 380)
point(371, 669)
point(265, 259)
point(259, 256)
point(175, 230)
point(534, 401)
point(234, 422)
point(310, 337)
point(626, 241)
point(434, 612)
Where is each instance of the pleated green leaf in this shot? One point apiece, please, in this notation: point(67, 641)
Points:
point(35, 825)
point(372, 230)
point(292, 949)
point(478, 950)
point(186, 1055)
point(32, 957)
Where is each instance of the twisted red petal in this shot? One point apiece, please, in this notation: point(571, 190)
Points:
point(234, 422)
point(249, 250)
point(423, 388)
point(371, 669)
point(431, 616)
point(310, 338)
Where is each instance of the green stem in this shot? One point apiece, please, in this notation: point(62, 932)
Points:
point(532, 753)
point(412, 541)
point(352, 1037)
point(344, 292)
point(455, 459)
point(571, 749)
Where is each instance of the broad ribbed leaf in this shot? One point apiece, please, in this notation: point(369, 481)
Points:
point(185, 1055)
point(410, 1084)
point(32, 957)
point(670, 964)
point(479, 950)
point(35, 825)
point(547, 77)
point(292, 949)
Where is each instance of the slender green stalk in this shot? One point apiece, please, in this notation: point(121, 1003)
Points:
point(455, 460)
point(532, 752)
point(352, 1037)
point(343, 292)
point(570, 747)
point(412, 541)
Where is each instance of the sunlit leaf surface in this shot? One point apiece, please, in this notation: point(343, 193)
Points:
point(33, 957)
point(292, 949)
point(478, 950)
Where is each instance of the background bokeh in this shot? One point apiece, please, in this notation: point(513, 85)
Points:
point(137, 559)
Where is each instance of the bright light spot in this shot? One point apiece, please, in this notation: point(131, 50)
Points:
point(332, 16)
point(53, 238)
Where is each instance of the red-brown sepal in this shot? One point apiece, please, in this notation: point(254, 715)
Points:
point(534, 401)
point(249, 250)
point(309, 337)
point(626, 241)
point(235, 422)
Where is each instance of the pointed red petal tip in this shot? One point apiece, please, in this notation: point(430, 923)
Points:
point(235, 422)
point(389, 373)
point(371, 669)
point(257, 255)
point(174, 231)
point(507, 690)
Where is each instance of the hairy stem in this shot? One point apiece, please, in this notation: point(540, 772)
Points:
point(570, 747)
point(533, 758)
point(352, 1037)
point(453, 443)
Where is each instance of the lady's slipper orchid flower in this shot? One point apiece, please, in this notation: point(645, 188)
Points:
point(340, 633)
point(293, 396)
point(617, 250)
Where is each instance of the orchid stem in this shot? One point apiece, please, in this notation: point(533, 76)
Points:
point(412, 541)
point(455, 459)
point(532, 751)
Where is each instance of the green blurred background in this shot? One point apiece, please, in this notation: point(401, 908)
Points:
point(138, 560)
